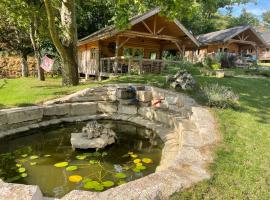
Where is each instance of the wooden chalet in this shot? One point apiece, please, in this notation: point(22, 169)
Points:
point(265, 52)
point(240, 41)
point(110, 51)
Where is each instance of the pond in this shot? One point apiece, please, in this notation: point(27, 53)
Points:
point(44, 157)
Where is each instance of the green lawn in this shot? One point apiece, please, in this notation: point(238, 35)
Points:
point(28, 91)
point(242, 166)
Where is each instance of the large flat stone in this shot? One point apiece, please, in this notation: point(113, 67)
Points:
point(10, 191)
point(24, 114)
point(3, 118)
point(87, 108)
point(107, 107)
point(127, 109)
point(56, 110)
point(144, 95)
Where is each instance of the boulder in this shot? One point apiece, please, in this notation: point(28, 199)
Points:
point(182, 79)
point(93, 136)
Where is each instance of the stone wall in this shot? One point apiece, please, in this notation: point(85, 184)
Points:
point(187, 129)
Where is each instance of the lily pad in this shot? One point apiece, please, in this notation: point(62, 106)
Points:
point(107, 183)
point(24, 175)
point(18, 165)
point(47, 155)
point(134, 155)
point(75, 178)
point(33, 163)
point(93, 162)
point(81, 157)
point(24, 155)
point(61, 164)
point(147, 160)
point(85, 180)
point(137, 161)
point(130, 153)
point(93, 185)
point(34, 157)
point(139, 164)
point(141, 167)
point(99, 187)
point(120, 175)
point(136, 170)
point(71, 168)
point(21, 170)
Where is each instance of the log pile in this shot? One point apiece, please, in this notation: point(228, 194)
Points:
point(10, 66)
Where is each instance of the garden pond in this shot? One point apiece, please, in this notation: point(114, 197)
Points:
point(44, 157)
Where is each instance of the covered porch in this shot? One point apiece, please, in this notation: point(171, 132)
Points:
point(138, 49)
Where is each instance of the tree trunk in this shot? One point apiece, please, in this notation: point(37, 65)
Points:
point(34, 33)
point(24, 65)
point(40, 71)
point(67, 49)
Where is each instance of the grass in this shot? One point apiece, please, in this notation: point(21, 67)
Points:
point(30, 91)
point(241, 169)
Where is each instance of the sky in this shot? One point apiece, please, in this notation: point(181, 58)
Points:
point(256, 9)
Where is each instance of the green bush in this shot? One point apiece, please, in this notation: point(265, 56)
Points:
point(220, 96)
point(216, 66)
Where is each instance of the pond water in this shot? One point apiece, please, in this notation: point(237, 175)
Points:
point(44, 157)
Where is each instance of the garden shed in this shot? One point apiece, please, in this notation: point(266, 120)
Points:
point(110, 51)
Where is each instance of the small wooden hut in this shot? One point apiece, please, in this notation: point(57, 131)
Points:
point(110, 51)
point(265, 52)
point(240, 41)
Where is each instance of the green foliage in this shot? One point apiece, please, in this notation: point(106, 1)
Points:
point(216, 66)
point(220, 96)
point(266, 19)
point(244, 19)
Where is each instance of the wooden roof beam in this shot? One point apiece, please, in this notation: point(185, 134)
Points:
point(148, 35)
point(242, 42)
point(147, 27)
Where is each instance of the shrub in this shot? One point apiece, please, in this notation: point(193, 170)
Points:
point(216, 66)
point(220, 96)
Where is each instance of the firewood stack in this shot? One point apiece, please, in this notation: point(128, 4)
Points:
point(10, 66)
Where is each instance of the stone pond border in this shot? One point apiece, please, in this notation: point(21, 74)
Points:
point(186, 128)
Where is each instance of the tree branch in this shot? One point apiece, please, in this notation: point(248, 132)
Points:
point(52, 28)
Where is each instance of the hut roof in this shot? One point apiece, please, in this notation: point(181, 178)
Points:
point(112, 30)
point(226, 34)
point(266, 36)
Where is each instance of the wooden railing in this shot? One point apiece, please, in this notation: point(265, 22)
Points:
point(129, 64)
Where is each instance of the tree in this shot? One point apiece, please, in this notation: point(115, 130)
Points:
point(15, 40)
point(66, 45)
point(27, 15)
point(93, 15)
point(244, 19)
point(266, 19)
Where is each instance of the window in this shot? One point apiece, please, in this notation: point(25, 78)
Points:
point(127, 52)
point(267, 49)
point(133, 52)
point(153, 55)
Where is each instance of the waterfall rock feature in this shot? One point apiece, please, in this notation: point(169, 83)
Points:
point(93, 136)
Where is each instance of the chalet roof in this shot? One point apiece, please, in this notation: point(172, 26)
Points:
point(112, 30)
point(266, 37)
point(226, 34)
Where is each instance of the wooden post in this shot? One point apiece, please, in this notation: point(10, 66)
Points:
point(116, 61)
point(140, 66)
point(109, 65)
point(129, 64)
